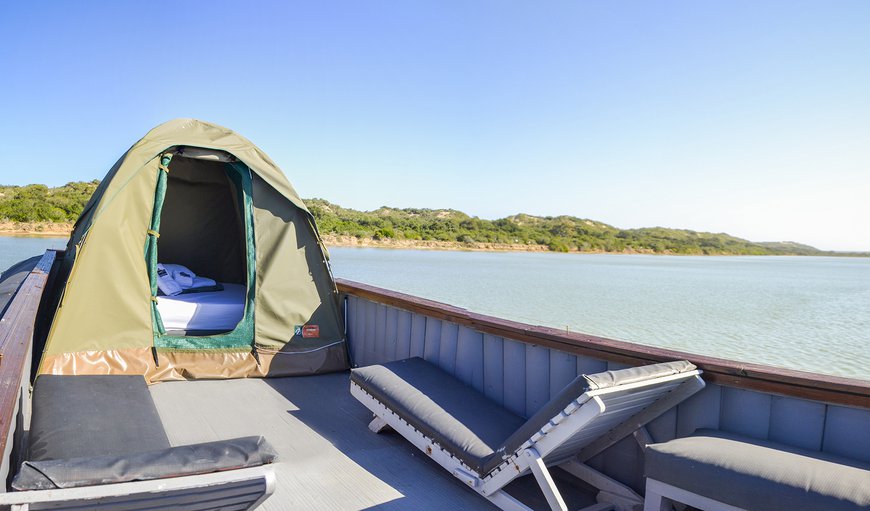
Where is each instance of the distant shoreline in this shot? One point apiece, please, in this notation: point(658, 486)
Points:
point(404, 244)
point(63, 230)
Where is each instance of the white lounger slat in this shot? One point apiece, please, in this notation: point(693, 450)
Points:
point(629, 397)
point(240, 489)
point(610, 418)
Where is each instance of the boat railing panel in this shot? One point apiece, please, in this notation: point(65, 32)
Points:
point(520, 367)
point(16, 343)
point(768, 379)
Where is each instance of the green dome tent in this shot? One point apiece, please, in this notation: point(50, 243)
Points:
point(198, 195)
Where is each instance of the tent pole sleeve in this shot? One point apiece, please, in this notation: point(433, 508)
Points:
point(247, 204)
point(153, 234)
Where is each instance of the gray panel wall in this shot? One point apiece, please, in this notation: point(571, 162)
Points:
point(522, 378)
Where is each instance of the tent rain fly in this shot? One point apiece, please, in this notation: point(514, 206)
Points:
point(199, 195)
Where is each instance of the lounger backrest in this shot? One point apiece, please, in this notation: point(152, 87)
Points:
point(239, 490)
point(572, 392)
point(609, 399)
point(630, 398)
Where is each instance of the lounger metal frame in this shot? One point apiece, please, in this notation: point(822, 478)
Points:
point(659, 495)
point(240, 489)
point(593, 422)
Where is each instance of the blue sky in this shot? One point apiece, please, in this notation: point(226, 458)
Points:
point(746, 117)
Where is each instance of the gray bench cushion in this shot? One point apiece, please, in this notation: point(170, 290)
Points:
point(171, 462)
point(456, 416)
point(85, 416)
point(98, 429)
point(757, 474)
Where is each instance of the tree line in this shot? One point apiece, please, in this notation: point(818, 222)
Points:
point(559, 234)
point(39, 203)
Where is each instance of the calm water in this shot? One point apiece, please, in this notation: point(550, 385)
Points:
point(810, 313)
point(15, 248)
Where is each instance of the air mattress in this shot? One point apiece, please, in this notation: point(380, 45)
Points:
point(209, 311)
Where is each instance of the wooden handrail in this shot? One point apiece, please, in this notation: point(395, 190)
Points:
point(16, 336)
point(774, 380)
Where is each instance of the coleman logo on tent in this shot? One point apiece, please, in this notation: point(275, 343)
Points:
point(307, 331)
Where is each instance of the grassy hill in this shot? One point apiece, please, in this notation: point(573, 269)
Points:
point(560, 234)
point(36, 206)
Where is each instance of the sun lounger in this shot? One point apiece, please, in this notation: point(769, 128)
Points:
point(97, 442)
point(487, 447)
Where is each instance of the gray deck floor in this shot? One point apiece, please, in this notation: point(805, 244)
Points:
point(328, 459)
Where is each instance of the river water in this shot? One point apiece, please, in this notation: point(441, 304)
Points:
point(16, 248)
point(809, 313)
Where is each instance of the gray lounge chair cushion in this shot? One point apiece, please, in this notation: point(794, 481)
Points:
point(758, 474)
point(93, 415)
point(607, 379)
point(456, 416)
point(172, 462)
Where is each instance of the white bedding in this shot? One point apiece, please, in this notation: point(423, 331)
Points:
point(212, 310)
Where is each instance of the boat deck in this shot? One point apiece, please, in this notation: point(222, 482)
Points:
point(328, 459)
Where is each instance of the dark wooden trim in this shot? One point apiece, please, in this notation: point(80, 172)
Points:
point(775, 380)
point(16, 335)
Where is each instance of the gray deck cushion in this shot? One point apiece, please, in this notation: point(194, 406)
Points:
point(607, 379)
point(172, 462)
point(456, 416)
point(758, 474)
point(86, 416)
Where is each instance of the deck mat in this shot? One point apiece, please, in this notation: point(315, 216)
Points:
point(328, 459)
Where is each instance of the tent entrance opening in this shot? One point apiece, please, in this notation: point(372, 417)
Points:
point(202, 247)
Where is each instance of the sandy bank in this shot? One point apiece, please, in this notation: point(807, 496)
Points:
point(47, 229)
point(351, 241)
